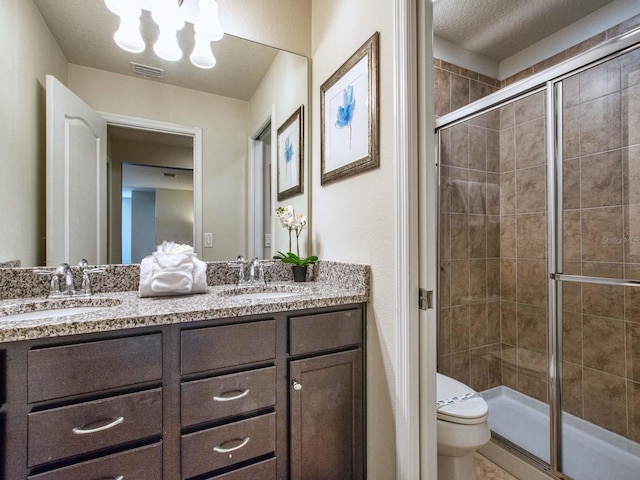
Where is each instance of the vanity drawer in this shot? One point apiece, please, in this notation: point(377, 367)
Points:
point(144, 463)
point(260, 471)
point(57, 372)
point(228, 345)
point(62, 432)
point(227, 445)
point(227, 395)
point(325, 331)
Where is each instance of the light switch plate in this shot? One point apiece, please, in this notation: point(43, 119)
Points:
point(267, 239)
point(208, 240)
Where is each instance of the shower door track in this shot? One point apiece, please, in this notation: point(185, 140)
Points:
point(549, 81)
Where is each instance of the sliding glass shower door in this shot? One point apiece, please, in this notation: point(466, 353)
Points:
point(539, 285)
point(598, 264)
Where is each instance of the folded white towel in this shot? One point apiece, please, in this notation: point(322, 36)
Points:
point(172, 274)
point(172, 281)
point(182, 261)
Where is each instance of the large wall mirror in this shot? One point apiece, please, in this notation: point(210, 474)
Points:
point(236, 109)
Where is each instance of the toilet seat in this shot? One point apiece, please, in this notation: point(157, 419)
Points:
point(472, 410)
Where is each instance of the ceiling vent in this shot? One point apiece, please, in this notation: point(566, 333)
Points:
point(147, 71)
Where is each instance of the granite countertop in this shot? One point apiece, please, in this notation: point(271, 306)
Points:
point(127, 310)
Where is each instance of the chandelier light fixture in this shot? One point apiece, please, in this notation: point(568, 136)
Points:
point(169, 18)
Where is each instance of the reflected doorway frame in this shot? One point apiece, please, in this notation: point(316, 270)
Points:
point(137, 123)
point(255, 229)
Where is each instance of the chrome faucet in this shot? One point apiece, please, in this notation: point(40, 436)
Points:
point(63, 284)
point(255, 268)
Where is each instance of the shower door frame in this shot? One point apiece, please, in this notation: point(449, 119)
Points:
point(549, 80)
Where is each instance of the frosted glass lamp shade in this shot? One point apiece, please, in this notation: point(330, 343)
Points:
point(202, 56)
point(207, 25)
point(167, 46)
point(167, 15)
point(128, 35)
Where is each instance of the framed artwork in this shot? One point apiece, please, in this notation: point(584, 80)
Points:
point(290, 155)
point(349, 116)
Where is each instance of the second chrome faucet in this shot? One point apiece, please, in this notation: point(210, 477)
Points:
point(255, 268)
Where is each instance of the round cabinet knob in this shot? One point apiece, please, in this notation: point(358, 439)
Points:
point(296, 385)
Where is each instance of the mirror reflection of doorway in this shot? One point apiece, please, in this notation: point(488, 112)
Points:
point(265, 140)
point(152, 191)
point(157, 205)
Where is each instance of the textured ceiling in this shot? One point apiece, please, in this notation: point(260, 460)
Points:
point(84, 30)
point(499, 29)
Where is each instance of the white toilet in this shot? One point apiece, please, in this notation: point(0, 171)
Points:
point(462, 428)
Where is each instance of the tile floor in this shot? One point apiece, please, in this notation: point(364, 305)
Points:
point(487, 470)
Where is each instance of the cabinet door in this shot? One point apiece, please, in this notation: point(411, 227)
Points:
point(326, 417)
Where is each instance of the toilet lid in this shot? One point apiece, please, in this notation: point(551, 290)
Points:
point(458, 402)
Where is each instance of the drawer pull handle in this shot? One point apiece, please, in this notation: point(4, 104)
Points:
point(244, 393)
point(232, 449)
point(107, 426)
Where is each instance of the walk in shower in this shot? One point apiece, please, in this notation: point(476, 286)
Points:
point(539, 238)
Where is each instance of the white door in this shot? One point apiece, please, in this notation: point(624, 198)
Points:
point(76, 179)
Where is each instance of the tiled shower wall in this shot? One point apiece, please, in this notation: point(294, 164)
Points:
point(523, 246)
point(493, 249)
point(469, 332)
point(469, 343)
point(601, 201)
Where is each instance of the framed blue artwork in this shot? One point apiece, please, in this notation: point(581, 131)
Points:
point(349, 116)
point(290, 153)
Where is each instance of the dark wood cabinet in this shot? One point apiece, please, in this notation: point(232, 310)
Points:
point(326, 427)
point(267, 397)
point(326, 417)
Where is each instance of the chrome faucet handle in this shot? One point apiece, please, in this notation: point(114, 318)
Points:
point(54, 283)
point(239, 263)
point(261, 265)
point(85, 287)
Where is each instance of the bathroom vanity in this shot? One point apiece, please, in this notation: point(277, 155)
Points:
point(211, 386)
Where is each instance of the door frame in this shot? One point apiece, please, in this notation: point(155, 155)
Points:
point(255, 206)
point(416, 448)
point(137, 123)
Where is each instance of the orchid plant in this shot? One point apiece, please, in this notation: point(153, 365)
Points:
point(293, 223)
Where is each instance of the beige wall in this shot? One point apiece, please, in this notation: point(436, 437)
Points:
point(286, 87)
point(354, 219)
point(284, 24)
point(27, 53)
point(174, 215)
point(224, 143)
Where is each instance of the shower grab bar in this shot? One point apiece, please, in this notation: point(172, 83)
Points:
point(620, 282)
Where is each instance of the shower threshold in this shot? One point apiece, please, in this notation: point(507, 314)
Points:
point(590, 452)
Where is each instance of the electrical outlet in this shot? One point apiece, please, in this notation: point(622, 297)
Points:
point(208, 240)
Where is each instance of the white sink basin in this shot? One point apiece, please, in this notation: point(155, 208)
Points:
point(58, 312)
point(264, 295)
